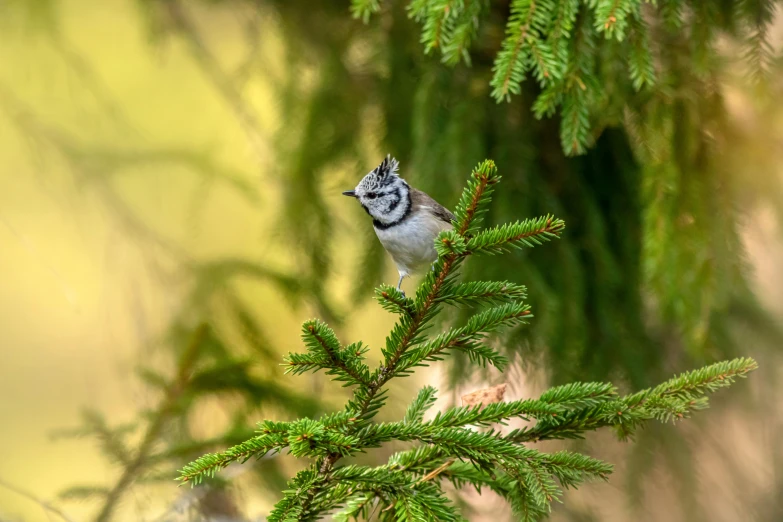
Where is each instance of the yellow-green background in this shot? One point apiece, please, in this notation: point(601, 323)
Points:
point(81, 296)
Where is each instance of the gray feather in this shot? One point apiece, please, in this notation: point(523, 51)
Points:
point(421, 201)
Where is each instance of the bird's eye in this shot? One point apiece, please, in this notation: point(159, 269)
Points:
point(372, 195)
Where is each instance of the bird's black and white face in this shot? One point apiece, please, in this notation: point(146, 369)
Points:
point(383, 194)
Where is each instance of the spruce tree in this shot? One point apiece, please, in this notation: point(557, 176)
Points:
point(460, 446)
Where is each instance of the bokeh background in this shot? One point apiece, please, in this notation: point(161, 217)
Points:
point(170, 212)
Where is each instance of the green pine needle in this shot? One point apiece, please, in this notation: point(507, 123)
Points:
point(448, 449)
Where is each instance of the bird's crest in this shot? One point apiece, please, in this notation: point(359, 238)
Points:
point(383, 175)
point(387, 168)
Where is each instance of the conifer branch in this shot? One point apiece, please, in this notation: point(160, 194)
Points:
point(557, 41)
point(640, 60)
point(209, 464)
point(418, 9)
point(369, 399)
point(483, 292)
point(497, 412)
point(510, 64)
point(759, 52)
point(579, 394)
point(672, 400)
point(563, 24)
point(475, 198)
point(449, 451)
point(527, 233)
point(364, 9)
point(291, 506)
point(393, 300)
point(611, 16)
point(436, 24)
point(325, 352)
point(456, 42)
point(424, 400)
point(466, 338)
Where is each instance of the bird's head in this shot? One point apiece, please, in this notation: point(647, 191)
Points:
point(383, 193)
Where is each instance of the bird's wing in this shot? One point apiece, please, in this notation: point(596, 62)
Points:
point(421, 199)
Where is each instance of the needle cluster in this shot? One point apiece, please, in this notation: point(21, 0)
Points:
point(448, 449)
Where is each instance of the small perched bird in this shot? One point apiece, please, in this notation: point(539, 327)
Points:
point(406, 220)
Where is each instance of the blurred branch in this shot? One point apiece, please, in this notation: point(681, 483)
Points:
point(82, 68)
point(97, 165)
point(244, 71)
point(78, 158)
point(199, 162)
point(29, 496)
point(193, 495)
point(219, 78)
point(159, 418)
point(225, 268)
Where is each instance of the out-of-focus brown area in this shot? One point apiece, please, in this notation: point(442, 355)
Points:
point(159, 164)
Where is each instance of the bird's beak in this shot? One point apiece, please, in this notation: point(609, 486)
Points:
point(351, 193)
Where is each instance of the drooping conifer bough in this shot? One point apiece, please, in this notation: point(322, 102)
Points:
point(568, 46)
point(446, 449)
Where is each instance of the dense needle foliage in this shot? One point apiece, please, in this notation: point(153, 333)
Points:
point(564, 45)
point(448, 451)
point(626, 138)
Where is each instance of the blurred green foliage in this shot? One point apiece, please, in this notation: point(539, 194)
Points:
point(649, 279)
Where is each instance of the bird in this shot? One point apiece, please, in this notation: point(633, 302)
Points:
point(406, 220)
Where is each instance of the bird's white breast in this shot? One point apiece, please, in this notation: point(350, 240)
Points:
point(411, 243)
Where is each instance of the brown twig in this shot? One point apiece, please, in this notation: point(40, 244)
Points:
point(435, 472)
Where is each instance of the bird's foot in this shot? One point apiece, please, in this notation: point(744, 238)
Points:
point(399, 285)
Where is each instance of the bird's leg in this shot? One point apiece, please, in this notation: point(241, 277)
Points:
point(399, 284)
